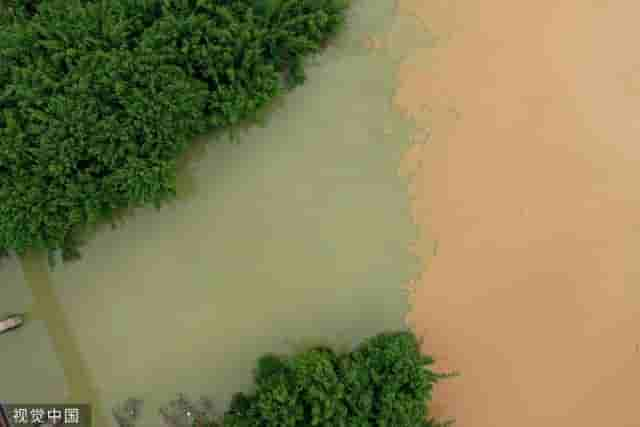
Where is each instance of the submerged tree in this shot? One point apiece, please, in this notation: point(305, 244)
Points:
point(182, 412)
point(126, 414)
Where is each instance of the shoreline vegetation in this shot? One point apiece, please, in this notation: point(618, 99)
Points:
point(384, 381)
point(98, 100)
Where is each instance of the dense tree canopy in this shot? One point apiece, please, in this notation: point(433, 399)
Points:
point(384, 382)
point(98, 99)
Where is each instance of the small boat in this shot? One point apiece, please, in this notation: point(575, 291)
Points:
point(10, 322)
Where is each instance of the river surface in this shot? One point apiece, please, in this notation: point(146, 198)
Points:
point(515, 127)
point(297, 233)
point(529, 186)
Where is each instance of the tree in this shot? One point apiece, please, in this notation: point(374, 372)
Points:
point(384, 382)
point(98, 99)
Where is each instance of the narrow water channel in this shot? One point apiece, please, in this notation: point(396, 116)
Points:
point(297, 233)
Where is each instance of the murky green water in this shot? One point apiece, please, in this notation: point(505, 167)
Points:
point(298, 232)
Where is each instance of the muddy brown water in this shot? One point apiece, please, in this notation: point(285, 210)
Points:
point(530, 187)
point(297, 234)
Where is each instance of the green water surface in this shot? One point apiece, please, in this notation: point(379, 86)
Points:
point(297, 233)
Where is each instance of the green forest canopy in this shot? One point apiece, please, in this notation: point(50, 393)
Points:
point(384, 382)
point(98, 99)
